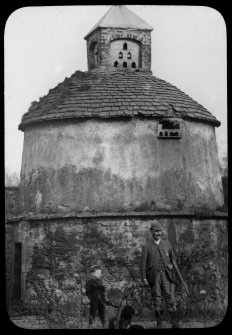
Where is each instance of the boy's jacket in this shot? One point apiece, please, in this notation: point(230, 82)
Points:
point(95, 289)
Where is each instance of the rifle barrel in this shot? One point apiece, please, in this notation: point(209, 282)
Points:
point(181, 278)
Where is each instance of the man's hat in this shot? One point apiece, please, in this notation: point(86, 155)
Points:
point(156, 226)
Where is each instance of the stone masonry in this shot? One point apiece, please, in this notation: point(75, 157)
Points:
point(59, 253)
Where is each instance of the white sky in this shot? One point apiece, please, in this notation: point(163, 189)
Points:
point(43, 45)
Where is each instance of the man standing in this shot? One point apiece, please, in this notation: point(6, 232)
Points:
point(157, 272)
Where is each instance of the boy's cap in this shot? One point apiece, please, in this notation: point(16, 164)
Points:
point(156, 226)
point(95, 267)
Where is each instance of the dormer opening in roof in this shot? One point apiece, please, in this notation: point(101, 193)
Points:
point(120, 35)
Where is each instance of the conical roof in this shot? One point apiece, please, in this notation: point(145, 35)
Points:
point(120, 17)
point(119, 93)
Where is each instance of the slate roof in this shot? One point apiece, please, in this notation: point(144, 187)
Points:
point(119, 93)
point(120, 17)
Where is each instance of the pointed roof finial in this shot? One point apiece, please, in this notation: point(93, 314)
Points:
point(120, 16)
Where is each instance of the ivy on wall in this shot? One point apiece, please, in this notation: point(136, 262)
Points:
point(55, 284)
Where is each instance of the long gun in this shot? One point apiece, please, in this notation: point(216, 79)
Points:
point(181, 278)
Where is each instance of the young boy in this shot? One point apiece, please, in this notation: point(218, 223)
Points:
point(95, 291)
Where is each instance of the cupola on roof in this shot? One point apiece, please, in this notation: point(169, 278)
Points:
point(119, 40)
point(120, 17)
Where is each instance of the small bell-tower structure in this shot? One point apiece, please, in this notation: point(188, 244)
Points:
point(119, 40)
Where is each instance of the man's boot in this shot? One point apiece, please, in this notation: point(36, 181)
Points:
point(90, 322)
point(103, 323)
point(158, 319)
point(174, 320)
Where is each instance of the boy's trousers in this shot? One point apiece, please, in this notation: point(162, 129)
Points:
point(96, 306)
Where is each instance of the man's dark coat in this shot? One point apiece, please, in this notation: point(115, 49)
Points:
point(149, 260)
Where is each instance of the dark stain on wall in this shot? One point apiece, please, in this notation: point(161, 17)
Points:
point(101, 190)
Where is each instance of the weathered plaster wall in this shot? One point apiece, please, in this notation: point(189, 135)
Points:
point(116, 46)
point(58, 253)
point(119, 166)
point(225, 191)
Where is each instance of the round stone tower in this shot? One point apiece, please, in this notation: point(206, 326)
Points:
point(116, 138)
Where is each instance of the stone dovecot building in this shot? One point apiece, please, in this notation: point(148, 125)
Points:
point(116, 137)
point(109, 150)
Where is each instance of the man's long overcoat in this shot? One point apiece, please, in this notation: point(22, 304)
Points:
point(149, 260)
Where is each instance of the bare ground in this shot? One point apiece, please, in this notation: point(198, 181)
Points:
point(33, 322)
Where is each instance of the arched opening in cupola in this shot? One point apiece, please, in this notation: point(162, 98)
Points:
point(124, 64)
point(94, 56)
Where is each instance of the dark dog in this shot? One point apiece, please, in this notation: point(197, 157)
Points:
point(125, 319)
point(136, 326)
